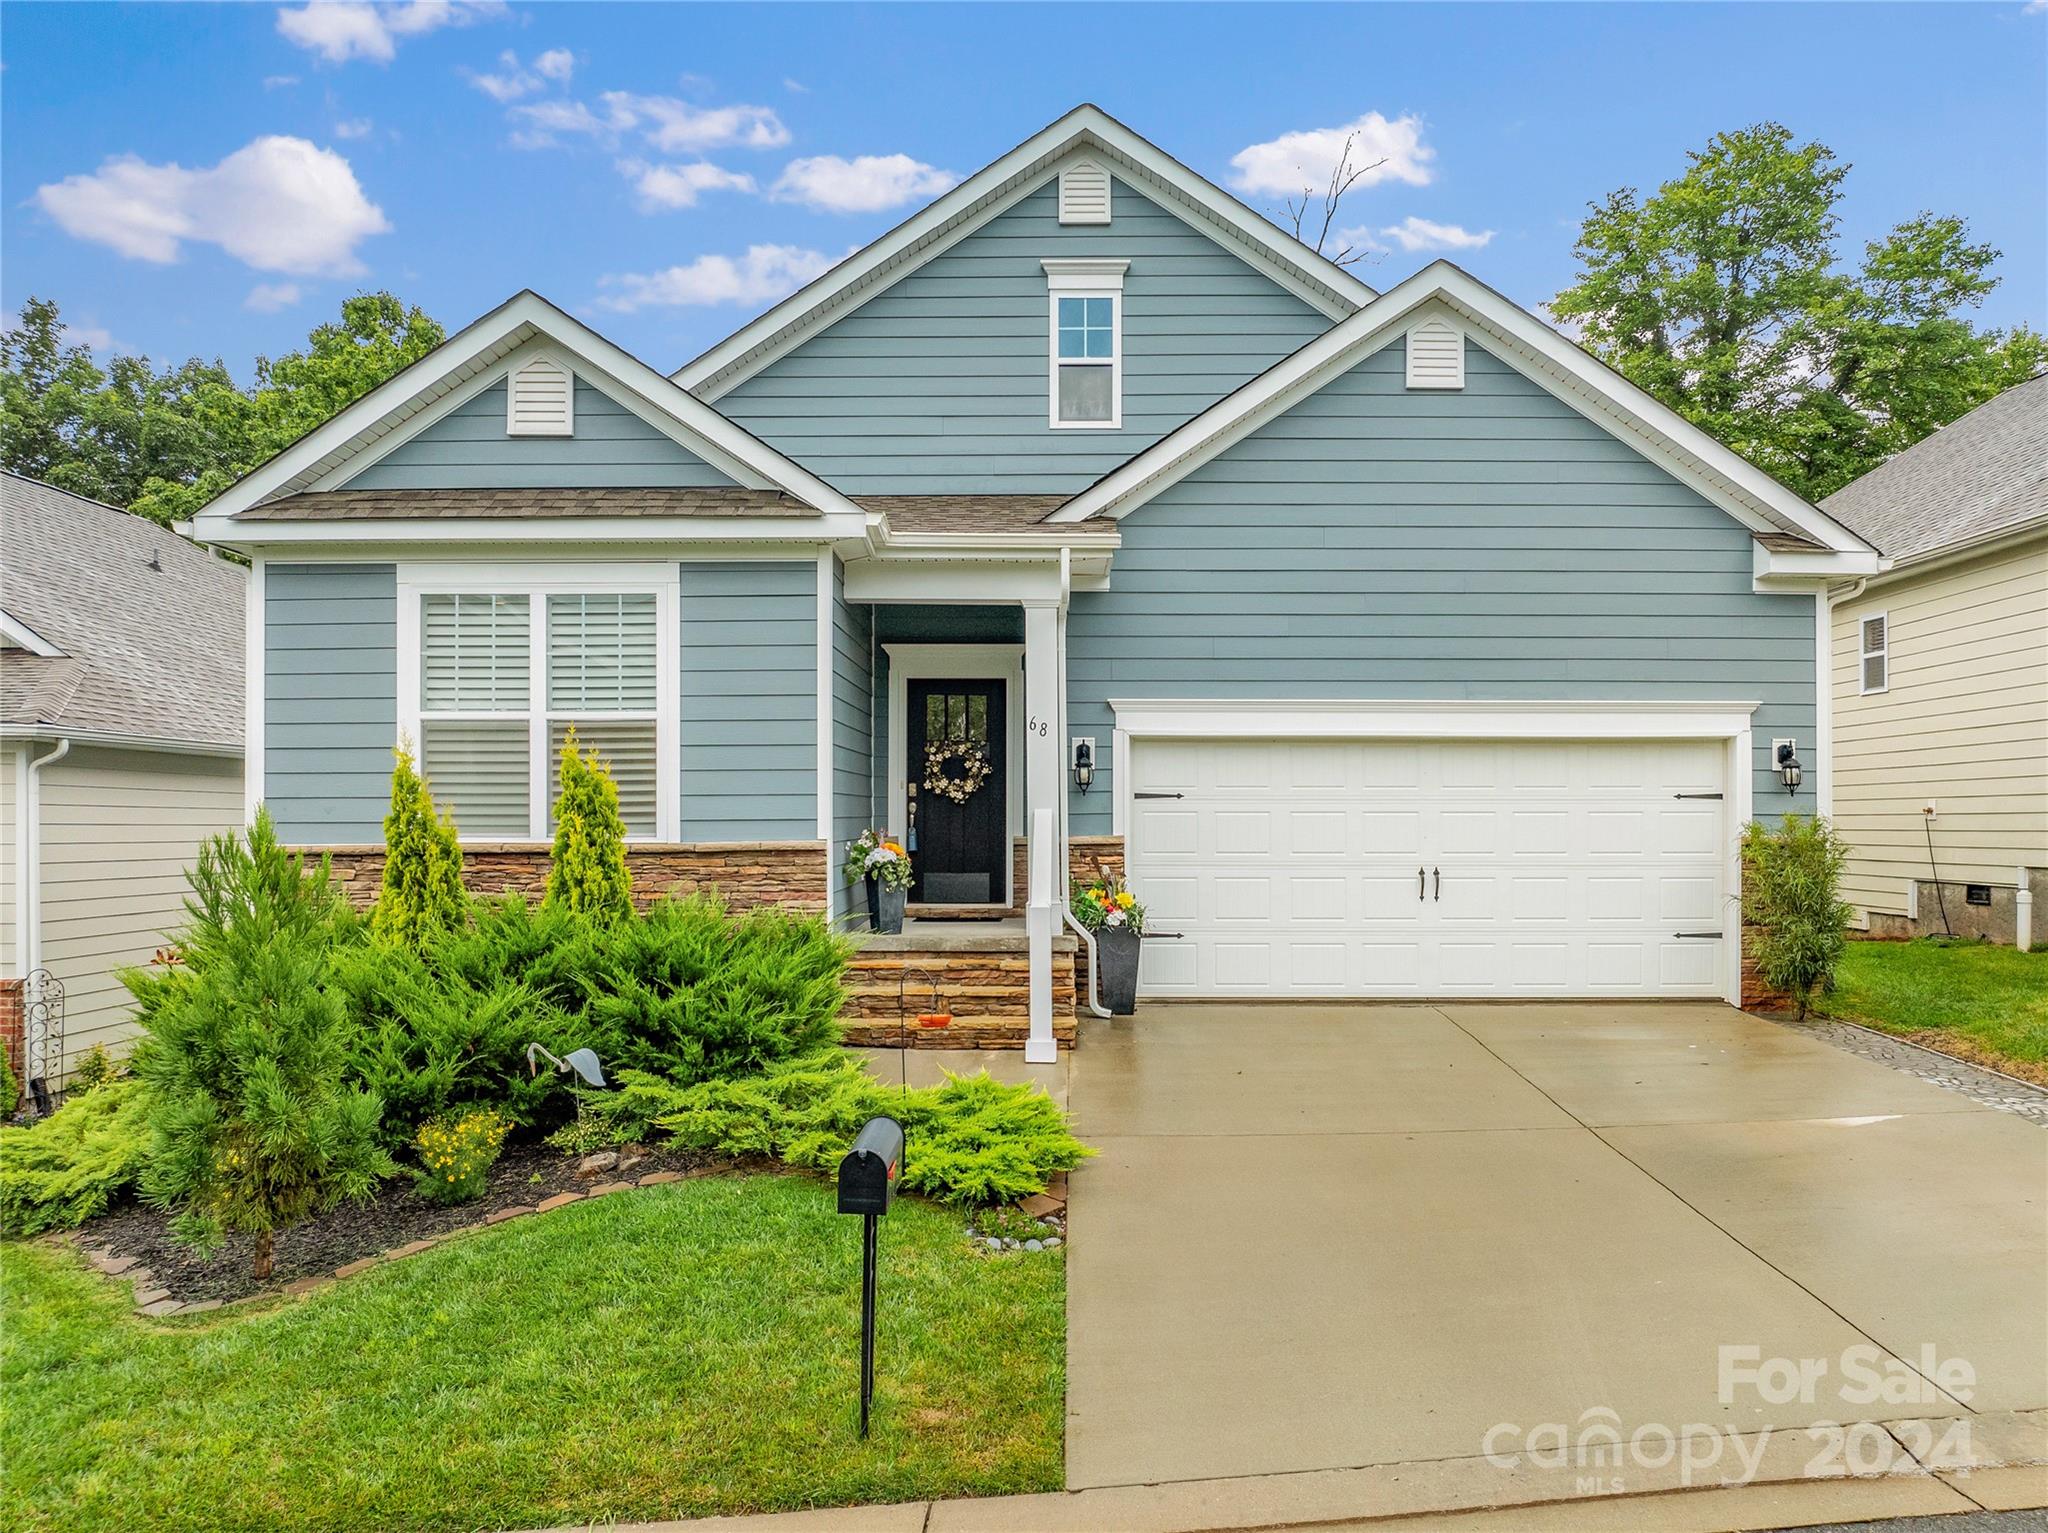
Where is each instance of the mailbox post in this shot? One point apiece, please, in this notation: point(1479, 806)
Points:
point(867, 1186)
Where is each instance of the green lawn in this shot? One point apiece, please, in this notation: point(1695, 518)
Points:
point(1974, 1000)
point(667, 1352)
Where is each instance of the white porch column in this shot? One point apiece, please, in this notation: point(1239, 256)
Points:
point(1041, 797)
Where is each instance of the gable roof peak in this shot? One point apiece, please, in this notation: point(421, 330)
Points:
point(1243, 231)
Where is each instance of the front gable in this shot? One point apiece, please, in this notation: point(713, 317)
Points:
point(941, 382)
point(471, 446)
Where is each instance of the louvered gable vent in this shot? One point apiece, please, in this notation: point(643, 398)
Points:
point(1084, 193)
point(1436, 356)
point(540, 400)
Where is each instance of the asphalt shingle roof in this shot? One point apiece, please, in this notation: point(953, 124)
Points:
point(973, 513)
point(150, 653)
point(435, 505)
point(1974, 478)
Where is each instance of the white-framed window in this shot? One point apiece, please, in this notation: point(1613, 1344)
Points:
point(1086, 363)
point(1874, 656)
point(497, 664)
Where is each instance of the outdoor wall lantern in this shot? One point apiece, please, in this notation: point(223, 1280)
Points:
point(1084, 764)
point(1789, 770)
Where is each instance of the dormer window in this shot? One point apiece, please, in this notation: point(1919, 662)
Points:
point(1087, 351)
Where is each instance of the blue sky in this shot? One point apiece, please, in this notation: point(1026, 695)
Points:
point(193, 179)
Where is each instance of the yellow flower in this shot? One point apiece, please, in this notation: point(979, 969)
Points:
point(1126, 899)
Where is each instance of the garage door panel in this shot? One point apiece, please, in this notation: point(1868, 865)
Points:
point(1554, 868)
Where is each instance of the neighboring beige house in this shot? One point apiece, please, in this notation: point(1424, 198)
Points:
point(120, 750)
point(1940, 665)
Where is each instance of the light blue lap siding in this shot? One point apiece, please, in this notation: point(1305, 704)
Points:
point(853, 706)
point(468, 449)
point(330, 699)
point(1485, 543)
point(939, 383)
point(750, 700)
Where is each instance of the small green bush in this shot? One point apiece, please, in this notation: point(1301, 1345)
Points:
point(456, 1155)
point(10, 1088)
point(62, 1171)
point(255, 1122)
point(1791, 881)
point(421, 895)
point(94, 1069)
point(972, 1140)
point(588, 873)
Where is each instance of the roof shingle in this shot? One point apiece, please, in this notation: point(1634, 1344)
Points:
point(521, 504)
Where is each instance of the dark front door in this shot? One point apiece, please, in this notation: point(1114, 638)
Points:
point(954, 762)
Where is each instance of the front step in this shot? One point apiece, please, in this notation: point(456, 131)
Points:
point(983, 979)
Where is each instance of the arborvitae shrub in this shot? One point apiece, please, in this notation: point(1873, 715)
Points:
point(588, 873)
point(422, 894)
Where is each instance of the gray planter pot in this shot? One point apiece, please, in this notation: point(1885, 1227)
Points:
point(889, 908)
point(1116, 950)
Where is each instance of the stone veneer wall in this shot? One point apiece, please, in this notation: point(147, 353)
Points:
point(746, 873)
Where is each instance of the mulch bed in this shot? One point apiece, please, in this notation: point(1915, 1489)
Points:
point(524, 1175)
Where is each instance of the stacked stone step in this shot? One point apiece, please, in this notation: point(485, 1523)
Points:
point(988, 995)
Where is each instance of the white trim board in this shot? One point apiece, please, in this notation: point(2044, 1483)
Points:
point(1746, 493)
point(999, 185)
point(967, 662)
point(1461, 719)
point(21, 636)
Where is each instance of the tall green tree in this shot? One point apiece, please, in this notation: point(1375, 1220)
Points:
point(421, 894)
point(588, 872)
point(1725, 296)
point(164, 442)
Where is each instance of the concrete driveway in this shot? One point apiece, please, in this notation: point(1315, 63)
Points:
point(1330, 1236)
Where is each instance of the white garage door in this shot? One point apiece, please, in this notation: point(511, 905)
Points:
point(1429, 868)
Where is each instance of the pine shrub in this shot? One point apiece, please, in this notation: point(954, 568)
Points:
point(254, 1122)
point(421, 895)
point(95, 1068)
point(1791, 883)
point(69, 1167)
point(588, 873)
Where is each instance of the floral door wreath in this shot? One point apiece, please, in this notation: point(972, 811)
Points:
point(939, 776)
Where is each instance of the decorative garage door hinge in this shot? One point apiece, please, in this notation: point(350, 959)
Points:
point(1695, 795)
point(1141, 793)
point(1700, 936)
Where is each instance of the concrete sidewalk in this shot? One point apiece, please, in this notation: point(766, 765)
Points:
point(2007, 1471)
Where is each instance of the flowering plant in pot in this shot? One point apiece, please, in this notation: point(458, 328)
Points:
point(1112, 913)
point(884, 866)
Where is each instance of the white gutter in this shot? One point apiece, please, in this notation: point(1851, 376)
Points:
point(29, 897)
point(118, 740)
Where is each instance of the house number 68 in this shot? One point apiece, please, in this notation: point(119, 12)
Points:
point(1036, 726)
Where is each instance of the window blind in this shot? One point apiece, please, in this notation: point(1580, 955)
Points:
point(601, 653)
point(475, 653)
point(625, 746)
point(481, 772)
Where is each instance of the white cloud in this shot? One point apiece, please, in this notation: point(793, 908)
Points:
point(354, 127)
point(764, 274)
point(1283, 166)
point(269, 297)
point(798, 88)
point(556, 65)
point(866, 184)
point(2034, 8)
point(279, 82)
point(277, 204)
point(663, 187)
point(340, 30)
point(668, 124)
point(1413, 234)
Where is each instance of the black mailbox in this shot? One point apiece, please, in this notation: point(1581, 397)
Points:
point(868, 1171)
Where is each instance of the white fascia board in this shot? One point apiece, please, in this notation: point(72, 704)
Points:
point(1318, 281)
point(114, 739)
point(1776, 569)
point(963, 580)
point(478, 346)
point(1722, 476)
point(1453, 718)
point(21, 636)
point(562, 536)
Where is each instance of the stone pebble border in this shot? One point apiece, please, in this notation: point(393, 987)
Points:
point(155, 1303)
point(2005, 1093)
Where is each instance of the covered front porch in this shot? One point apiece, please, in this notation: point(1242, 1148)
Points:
point(948, 733)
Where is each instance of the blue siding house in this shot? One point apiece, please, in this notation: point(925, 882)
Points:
point(1390, 644)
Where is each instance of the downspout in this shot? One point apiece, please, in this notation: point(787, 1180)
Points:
point(1066, 859)
point(29, 900)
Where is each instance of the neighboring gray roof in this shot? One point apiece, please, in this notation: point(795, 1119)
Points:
point(149, 654)
point(438, 505)
point(969, 513)
point(1974, 478)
